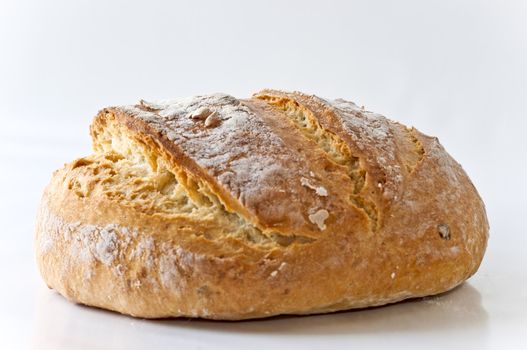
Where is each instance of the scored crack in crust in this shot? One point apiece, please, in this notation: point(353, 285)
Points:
point(230, 208)
point(335, 148)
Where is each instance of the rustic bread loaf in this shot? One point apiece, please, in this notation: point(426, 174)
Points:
point(283, 203)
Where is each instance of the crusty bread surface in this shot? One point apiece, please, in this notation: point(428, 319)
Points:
point(283, 203)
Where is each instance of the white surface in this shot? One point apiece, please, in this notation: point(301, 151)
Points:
point(455, 69)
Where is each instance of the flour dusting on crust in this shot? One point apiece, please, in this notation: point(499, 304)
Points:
point(321, 191)
point(238, 148)
point(319, 217)
point(88, 244)
point(115, 247)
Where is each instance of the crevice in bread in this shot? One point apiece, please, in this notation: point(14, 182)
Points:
point(418, 149)
point(129, 172)
point(334, 147)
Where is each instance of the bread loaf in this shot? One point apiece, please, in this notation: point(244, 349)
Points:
point(283, 203)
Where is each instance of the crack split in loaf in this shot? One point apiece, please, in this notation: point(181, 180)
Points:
point(282, 203)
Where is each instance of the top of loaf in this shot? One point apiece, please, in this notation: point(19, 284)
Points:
point(289, 164)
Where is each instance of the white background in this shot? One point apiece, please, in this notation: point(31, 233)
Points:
point(453, 69)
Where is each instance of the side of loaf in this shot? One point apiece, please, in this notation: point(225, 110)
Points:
point(283, 203)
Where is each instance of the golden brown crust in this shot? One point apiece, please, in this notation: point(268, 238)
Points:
point(280, 204)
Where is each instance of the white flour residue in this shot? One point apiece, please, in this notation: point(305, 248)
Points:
point(455, 250)
point(374, 126)
point(144, 247)
point(88, 244)
point(168, 273)
point(89, 247)
point(106, 244)
point(318, 218)
point(174, 264)
point(321, 191)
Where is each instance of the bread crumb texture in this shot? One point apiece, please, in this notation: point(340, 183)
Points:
point(283, 203)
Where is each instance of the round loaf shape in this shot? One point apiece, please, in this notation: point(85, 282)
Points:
point(283, 203)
